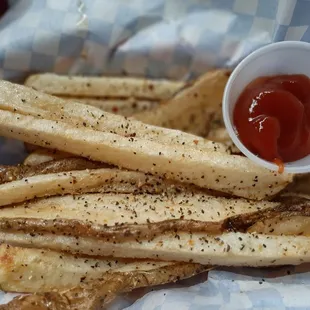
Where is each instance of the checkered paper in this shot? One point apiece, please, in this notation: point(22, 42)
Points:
point(173, 38)
point(177, 39)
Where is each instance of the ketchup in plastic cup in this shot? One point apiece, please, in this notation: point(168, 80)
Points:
point(266, 106)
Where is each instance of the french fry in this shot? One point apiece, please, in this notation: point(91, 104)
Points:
point(62, 133)
point(29, 270)
point(208, 169)
point(13, 173)
point(155, 227)
point(99, 293)
point(139, 215)
point(226, 249)
point(23, 100)
point(125, 107)
point(84, 181)
point(192, 108)
point(114, 87)
point(119, 216)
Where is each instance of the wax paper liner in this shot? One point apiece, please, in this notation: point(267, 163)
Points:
point(177, 39)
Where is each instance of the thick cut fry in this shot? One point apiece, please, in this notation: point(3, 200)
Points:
point(114, 87)
point(20, 99)
point(84, 181)
point(167, 152)
point(227, 249)
point(99, 293)
point(123, 215)
point(125, 107)
point(13, 173)
point(143, 216)
point(209, 169)
point(29, 270)
point(192, 108)
point(43, 155)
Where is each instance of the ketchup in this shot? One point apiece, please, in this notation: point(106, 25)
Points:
point(272, 117)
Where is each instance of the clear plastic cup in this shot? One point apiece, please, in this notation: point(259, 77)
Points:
point(288, 57)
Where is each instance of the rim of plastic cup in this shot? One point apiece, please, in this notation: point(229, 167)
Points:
point(226, 111)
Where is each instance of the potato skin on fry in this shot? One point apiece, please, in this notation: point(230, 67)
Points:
point(105, 180)
point(145, 216)
point(14, 173)
point(119, 216)
point(226, 249)
point(29, 270)
point(99, 293)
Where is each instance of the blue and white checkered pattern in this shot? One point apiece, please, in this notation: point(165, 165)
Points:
point(174, 39)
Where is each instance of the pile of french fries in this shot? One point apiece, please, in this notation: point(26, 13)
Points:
point(115, 196)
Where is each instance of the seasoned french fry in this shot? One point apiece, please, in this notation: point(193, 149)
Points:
point(99, 293)
point(19, 99)
point(209, 169)
point(175, 228)
point(192, 108)
point(13, 173)
point(227, 249)
point(28, 270)
point(125, 107)
point(114, 87)
point(119, 216)
point(84, 181)
point(139, 215)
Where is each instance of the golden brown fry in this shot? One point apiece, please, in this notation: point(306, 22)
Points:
point(192, 108)
point(119, 87)
point(99, 293)
point(209, 169)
